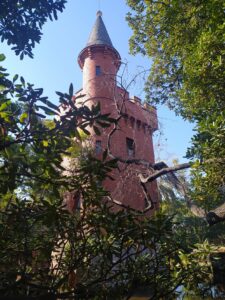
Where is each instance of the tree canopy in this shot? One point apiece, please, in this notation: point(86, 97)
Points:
point(185, 40)
point(21, 22)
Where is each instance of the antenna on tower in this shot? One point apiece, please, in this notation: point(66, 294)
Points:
point(99, 4)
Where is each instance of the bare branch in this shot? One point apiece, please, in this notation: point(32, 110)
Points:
point(163, 171)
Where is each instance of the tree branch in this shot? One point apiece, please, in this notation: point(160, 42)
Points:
point(163, 171)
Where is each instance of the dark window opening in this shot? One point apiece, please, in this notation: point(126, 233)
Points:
point(130, 147)
point(98, 147)
point(98, 70)
point(132, 121)
point(138, 124)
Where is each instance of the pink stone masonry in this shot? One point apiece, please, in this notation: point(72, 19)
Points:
point(137, 124)
point(100, 62)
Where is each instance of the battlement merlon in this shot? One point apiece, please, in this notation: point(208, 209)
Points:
point(143, 111)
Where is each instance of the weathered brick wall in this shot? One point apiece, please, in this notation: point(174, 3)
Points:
point(138, 123)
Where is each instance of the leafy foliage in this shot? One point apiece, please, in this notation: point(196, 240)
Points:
point(96, 255)
point(185, 40)
point(32, 149)
point(193, 233)
point(21, 22)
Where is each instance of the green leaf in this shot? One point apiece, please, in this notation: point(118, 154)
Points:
point(49, 103)
point(85, 131)
point(2, 57)
point(23, 117)
point(60, 94)
point(47, 110)
point(4, 105)
point(22, 81)
point(4, 116)
point(71, 90)
point(103, 124)
point(45, 143)
point(96, 130)
point(15, 77)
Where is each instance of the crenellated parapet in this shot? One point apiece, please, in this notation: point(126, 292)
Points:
point(144, 115)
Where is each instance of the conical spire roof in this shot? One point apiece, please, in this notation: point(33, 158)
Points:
point(99, 34)
point(99, 41)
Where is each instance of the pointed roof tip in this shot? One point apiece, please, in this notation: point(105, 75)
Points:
point(99, 37)
point(99, 13)
point(99, 34)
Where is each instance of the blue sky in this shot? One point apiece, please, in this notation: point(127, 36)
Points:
point(55, 66)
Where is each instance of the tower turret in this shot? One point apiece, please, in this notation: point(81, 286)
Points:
point(132, 139)
point(100, 62)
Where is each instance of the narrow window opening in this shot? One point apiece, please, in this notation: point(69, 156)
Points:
point(132, 121)
point(98, 71)
point(130, 147)
point(98, 147)
point(138, 124)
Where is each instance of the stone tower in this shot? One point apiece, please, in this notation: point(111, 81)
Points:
point(100, 62)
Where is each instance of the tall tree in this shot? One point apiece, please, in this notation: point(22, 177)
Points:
point(185, 40)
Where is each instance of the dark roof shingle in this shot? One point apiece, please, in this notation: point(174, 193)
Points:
point(99, 34)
